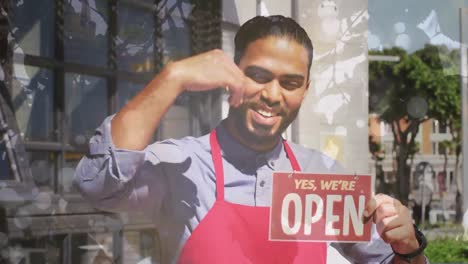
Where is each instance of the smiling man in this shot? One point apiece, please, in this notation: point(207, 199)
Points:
point(210, 196)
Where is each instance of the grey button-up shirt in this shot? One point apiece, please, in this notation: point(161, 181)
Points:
point(173, 182)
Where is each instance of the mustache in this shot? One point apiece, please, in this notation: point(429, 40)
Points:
point(258, 104)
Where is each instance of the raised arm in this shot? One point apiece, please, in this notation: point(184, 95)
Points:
point(121, 173)
point(134, 125)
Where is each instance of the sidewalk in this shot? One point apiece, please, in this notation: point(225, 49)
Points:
point(443, 232)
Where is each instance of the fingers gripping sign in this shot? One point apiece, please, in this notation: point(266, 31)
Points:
point(211, 70)
point(393, 221)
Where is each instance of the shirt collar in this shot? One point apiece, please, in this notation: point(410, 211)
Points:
point(236, 153)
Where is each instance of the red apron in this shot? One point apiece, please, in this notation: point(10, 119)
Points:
point(234, 233)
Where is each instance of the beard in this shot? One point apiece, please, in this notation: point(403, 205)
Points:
point(253, 134)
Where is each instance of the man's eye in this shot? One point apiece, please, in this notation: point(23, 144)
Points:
point(260, 78)
point(291, 84)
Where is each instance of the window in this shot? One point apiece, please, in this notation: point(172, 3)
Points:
point(439, 148)
point(445, 149)
point(67, 64)
point(33, 99)
point(33, 25)
point(140, 245)
point(77, 61)
point(442, 149)
point(135, 39)
point(86, 32)
point(439, 128)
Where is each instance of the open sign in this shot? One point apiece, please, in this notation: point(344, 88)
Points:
point(319, 207)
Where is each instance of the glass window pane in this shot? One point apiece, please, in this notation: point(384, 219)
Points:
point(38, 249)
point(135, 41)
point(86, 32)
point(86, 106)
point(139, 245)
point(68, 170)
point(414, 75)
point(176, 35)
point(176, 122)
point(411, 25)
point(42, 168)
point(92, 248)
point(443, 129)
point(6, 172)
point(33, 27)
point(32, 95)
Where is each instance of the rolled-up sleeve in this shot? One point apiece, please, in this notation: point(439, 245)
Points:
point(106, 176)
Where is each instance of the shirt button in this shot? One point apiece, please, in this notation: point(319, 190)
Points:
point(262, 183)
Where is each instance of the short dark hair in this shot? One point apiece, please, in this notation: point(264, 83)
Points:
point(278, 26)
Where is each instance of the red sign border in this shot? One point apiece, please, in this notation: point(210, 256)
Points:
point(309, 173)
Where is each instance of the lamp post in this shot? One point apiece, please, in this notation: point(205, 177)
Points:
point(464, 97)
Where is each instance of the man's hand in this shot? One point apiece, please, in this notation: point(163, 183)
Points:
point(394, 223)
point(209, 70)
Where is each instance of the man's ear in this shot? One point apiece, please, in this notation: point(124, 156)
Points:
point(307, 89)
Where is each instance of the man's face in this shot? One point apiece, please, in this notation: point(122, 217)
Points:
point(277, 81)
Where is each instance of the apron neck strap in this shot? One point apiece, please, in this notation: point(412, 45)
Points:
point(292, 158)
point(218, 163)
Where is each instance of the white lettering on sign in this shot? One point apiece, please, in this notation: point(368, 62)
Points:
point(330, 218)
point(296, 200)
point(309, 218)
point(350, 214)
point(350, 211)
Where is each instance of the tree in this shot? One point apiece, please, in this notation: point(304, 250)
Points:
point(447, 103)
point(418, 87)
point(378, 155)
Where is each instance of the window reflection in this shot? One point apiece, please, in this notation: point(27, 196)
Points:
point(135, 40)
point(6, 173)
point(139, 246)
point(418, 48)
point(42, 166)
point(176, 123)
point(86, 31)
point(71, 160)
point(92, 248)
point(32, 94)
point(176, 37)
point(60, 95)
point(410, 25)
point(34, 27)
point(38, 250)
point(86, 106)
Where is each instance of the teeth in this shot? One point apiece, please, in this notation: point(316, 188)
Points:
point(265, 113)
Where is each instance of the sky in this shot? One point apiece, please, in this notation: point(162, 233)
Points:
point(411, 24)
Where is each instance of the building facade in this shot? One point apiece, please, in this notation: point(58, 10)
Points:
point(432, 152)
